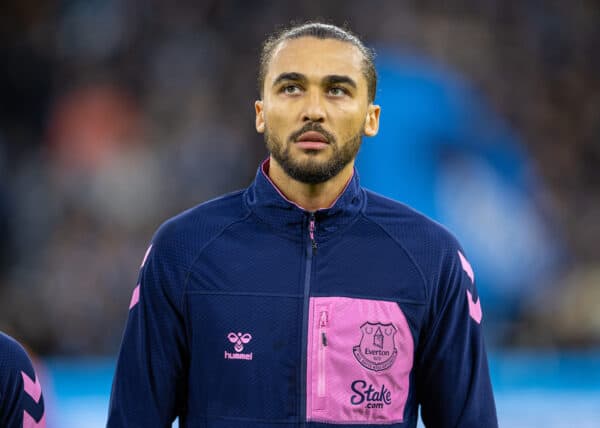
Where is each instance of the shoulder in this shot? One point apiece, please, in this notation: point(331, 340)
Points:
point(434, 249)
point(21, 400)
point(417, 232)
point(13, 357)
point(15, 369)
point(206, 218)
point(179, 241)
point(186, 233)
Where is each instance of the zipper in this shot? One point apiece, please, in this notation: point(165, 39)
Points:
point(323, 321)
point(310, 252)
point(311, 232)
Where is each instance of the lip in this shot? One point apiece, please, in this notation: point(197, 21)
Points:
point(311, 145)
point(312, 137)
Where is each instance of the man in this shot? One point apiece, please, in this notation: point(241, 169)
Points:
point(305, 300)
point(21, 400)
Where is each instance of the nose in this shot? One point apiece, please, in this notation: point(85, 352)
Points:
point(314, 110)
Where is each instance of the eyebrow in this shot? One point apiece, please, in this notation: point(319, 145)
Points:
point(329, 80)
point(295, 77)
point(337, 79)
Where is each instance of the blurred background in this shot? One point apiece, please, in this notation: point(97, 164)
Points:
point(116, 115)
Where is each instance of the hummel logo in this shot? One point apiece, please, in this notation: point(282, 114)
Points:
point(239, 341)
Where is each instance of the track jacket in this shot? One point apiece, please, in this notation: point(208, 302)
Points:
point(251, 312)
point(21, 400)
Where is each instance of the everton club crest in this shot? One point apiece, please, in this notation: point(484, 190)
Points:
point(376, 350)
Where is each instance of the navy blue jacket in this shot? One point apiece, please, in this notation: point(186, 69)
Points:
point(251, 312)
point(21, 401)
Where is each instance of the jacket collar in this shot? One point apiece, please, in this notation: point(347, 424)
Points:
point(268, 203)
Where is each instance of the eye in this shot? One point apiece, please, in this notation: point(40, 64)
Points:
point(291, 89)
point(337, 91)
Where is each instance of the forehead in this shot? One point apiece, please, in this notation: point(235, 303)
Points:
point(316, 58)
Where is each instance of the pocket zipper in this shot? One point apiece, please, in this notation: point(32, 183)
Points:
point(323, 321)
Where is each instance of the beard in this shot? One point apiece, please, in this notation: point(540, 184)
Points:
point(311, 170)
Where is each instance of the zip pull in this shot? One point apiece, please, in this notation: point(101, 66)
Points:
point(311, 231)
point(322, 324)
point(323, 319)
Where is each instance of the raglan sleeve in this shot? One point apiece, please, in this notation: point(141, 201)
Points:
point(21, 399)
point(149, 380)
point(454, 386)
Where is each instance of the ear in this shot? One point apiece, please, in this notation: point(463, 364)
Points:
point(260, 116)
point(372, 120)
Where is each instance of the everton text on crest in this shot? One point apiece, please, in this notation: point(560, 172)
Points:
point(377, 349)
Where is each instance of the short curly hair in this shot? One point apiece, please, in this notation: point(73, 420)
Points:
point(320, 31)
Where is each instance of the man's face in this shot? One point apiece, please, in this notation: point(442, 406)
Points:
point(315, 107)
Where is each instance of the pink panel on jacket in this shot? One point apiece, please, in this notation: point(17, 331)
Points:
point(360, 354)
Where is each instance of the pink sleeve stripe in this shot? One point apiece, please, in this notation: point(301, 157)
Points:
point(474, 308)
point(33, 389)
point(135, 297)
point(467, 267)
point(146, 256)
point(29, 422)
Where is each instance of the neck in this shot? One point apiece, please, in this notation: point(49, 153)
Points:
point(310, 197)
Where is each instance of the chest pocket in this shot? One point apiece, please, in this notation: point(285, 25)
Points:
point(360, 354)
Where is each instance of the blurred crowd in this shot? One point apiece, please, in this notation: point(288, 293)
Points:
point(117, 114)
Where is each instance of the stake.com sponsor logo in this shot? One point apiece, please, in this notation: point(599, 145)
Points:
point(375, 399)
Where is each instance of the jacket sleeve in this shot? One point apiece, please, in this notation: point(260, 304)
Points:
point(454, 387)
point(21, 400)
point(149, 381)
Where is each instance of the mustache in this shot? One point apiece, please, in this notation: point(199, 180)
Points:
point(312, 126)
